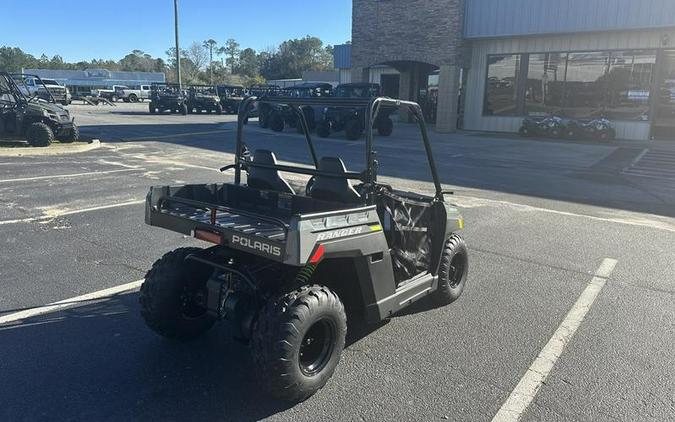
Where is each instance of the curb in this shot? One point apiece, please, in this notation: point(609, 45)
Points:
point(58, 149)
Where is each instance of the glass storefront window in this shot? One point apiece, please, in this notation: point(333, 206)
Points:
point(580, 85)
point(627, 84)
point(544, 84)
point(585, 84)
point(502, 90)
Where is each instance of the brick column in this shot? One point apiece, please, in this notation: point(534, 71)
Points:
point(406, 85)
point(448, 95)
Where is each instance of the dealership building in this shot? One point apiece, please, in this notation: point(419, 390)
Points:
point(485, 64)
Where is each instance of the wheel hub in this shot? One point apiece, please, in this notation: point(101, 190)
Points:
point(316, 348)
point(457, 268)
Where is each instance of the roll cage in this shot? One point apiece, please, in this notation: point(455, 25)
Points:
point(368, 176)
point(13, 79)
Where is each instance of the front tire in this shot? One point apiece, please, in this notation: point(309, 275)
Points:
point(297, 342)
point(323, 130)
point(184, 110)
point(153, 110)
point(170, 296)
point(385, 126)
point(73, 135)
point(353, 129)
point(453, 271)
point(263, 120)
point(276, 122)
point(39, 135)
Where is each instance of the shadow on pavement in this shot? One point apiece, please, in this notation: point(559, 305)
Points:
point(96, 363)
point(99, 362)
point(590, 174)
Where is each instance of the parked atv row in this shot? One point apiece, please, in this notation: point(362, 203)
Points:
point(192, 99)
point(557, 127)
point(33, 117)
point(327, 120)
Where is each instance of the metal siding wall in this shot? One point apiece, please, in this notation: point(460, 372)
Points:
point(377, 72)
point(345, 76)
point(498, 18)
point(342, 56)
point(473, 108)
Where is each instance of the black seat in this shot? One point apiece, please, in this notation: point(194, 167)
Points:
point(264, 178)
point(335, 189)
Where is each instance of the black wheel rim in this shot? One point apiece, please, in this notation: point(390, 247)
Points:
point(457, 269)
point(191, 307)
point(317, 346)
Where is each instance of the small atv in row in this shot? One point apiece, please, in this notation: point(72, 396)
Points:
point(281, 116)
point(203, 98)
point(287, 268)
point(167, 97)
point(353, 121)
point(35, 118)
point(557, 128)
point(231, 97)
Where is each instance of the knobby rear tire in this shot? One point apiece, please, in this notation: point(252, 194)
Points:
point(282, 351)
point(164, 305)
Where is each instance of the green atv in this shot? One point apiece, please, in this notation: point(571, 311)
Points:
point(33, 117)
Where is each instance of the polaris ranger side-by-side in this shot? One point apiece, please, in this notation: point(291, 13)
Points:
point(281, 116)
point(166, 96)
point(32, 117)
point(231, 97)
point(352, 121)
point(203, 98)
point(286, 268)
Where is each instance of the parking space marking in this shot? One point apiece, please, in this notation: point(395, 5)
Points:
point(54, 214)
point(68, 303)
point(521, 397)
point(62, 176)
point(177, 135)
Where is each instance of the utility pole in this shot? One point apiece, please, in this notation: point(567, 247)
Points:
point(175, 12)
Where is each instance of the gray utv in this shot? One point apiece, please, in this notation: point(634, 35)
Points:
point(35, 117)
point(286, 268)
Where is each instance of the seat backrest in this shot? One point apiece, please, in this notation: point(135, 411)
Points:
point(335, 189)
point(264, 178)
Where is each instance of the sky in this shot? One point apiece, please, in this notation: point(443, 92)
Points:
point(110, 29)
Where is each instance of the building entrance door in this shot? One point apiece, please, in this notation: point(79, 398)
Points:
point(390, 85)
point(664, 118)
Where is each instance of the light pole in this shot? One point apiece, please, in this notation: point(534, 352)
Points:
point(175, 12)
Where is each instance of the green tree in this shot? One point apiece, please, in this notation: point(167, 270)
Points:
point(14, 59)
point(296, 56)
point(190, 71)
point(210, 45)
point(248, 64)
point(231, 53)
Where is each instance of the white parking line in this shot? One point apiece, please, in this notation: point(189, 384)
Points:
point(61, 176)
point(534, 378)
point(68, 303)
point(56, 214)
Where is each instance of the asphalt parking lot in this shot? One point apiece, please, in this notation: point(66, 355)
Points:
point(572, 252)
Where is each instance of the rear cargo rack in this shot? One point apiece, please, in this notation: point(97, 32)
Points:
point(222, 217)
